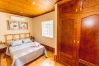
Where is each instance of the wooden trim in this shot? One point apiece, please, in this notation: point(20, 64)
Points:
point(56, 58)
point(86, 62)
point(49, 48)
point(43, 13)
point(56, 19)
point(57, 16)
point(62, 2)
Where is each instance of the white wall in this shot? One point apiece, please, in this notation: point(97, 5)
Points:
point(3, 24)
point(38, 32)
point(34, 27)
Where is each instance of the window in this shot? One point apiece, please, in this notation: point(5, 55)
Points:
point(47, 28)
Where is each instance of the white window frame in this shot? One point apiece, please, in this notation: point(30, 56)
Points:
point(47, 28)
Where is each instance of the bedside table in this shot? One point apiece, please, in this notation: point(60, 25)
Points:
point(3, 48)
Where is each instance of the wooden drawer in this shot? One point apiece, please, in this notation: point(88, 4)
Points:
point(85, 63)
point(65, 60)
point(81, 64)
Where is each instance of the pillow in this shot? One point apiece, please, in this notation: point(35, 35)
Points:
point(37, 44)
point(16, 43)
point(27, 40)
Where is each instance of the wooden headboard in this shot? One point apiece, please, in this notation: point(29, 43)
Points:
point(13, 37)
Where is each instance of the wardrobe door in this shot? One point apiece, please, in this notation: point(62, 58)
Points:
point(67, 36)
point(89, 42)
point(67, 46)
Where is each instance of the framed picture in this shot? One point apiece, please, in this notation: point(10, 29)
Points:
point(23, 25)
point(12, 25)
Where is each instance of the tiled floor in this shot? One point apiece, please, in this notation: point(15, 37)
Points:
point(41, 61)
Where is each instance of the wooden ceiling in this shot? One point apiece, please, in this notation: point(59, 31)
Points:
point(30, 8)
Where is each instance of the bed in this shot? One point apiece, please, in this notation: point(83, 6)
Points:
point(23, 51)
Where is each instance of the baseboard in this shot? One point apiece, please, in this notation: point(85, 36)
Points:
point(56, 58)
point(49, 48)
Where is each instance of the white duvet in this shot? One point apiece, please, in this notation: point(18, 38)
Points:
point(25, 53)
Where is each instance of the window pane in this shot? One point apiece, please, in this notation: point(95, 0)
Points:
point(47, 28)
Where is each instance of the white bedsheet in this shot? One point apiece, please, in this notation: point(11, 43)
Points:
point(25, 53)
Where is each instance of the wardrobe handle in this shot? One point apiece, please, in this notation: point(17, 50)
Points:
point(74, 41)
point(78, 42)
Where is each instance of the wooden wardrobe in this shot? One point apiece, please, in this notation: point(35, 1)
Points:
point(78, 32)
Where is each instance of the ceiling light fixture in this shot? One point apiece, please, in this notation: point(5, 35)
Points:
point(21, 12)
point(33, 3)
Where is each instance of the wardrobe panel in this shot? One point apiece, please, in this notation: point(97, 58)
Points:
point(67, 24)
point(90, 3)
point(67, 36)
point(89, 40)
